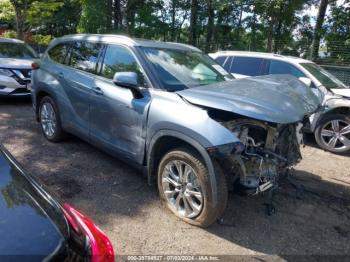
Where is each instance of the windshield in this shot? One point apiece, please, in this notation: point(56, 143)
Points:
point(179, 69)
point(16, 50)
point(327, 79)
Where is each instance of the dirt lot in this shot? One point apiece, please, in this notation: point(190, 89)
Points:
point(128, 210)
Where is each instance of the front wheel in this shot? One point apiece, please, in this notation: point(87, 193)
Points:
point(184, 187)
point(333, 133)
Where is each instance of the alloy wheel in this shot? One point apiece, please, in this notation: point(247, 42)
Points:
point(182, 189)
point(48, 119)
point(336, 134)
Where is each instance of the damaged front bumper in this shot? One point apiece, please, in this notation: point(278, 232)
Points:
point(264, 153)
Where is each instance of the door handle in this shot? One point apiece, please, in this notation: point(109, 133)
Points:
point(60, 75)
point(97, 90)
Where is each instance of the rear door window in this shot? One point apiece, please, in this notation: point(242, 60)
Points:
point(85, 55)
point(249, 66)
point(59, 53)
point(280, 67)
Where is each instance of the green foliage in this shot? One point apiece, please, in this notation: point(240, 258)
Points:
point(9, 34)
point(338, 34)
point(7, 12)
point(39, 11)
point(272, 25)
point(64, 20)
point(41, 39)
point(30, 13)
point(95, 17)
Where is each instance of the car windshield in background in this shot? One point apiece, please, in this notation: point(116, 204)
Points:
point(16, 50)
point(178, 69)
point(327, 79)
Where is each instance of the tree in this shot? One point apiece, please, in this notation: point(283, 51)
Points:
point(32, 12)
point(193, 22)
point(271, 25)
point(63, 21)
point(173, 19)
point(118, 18)
point(210, 26)
point(304, 36)
point(7, 12)
point(338, 34)
point(318, 28)
point(95, 17)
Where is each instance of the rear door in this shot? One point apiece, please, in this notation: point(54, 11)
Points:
point(80, 80)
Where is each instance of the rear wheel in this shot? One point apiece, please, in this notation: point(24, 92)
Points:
point(333, 133)
point(50, 121)
point(184, 187)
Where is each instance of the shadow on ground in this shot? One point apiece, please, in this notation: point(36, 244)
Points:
point(107, 189)
point(318, 223)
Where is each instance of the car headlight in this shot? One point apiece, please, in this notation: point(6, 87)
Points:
point(226, 149)
point(6, 72)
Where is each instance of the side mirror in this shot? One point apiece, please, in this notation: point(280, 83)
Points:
point(306, 81)
point(128, 80)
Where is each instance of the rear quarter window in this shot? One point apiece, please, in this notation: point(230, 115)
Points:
point(221, 59)
point(249, 66)
point(59, 53)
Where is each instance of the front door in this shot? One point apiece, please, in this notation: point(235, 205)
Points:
point(117, 119)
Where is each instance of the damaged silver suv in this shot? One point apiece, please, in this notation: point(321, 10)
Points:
point(173, 112)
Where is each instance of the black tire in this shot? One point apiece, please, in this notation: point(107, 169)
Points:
point(324, 123)
point(209, 213)
point(59, 134)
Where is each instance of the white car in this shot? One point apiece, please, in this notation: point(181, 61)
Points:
point(332, 128)
point(16, 58)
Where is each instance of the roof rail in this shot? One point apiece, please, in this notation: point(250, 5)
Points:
point(100, 35)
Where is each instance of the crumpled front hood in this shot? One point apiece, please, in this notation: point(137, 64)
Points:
point(15, 63)
point(273, 98)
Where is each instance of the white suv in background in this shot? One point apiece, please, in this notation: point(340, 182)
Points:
point(332, 128)
point(16, 58)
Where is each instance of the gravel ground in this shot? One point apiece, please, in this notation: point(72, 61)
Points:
point(129, 211)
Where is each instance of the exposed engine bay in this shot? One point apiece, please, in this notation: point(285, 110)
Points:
point(269, 151)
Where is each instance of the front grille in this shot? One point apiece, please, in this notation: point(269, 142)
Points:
point(22, 76)
point(20, 91)
point(27, 73)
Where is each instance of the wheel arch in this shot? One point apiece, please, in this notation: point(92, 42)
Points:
point(343, 110)
point(339, 110)
point(165, 140)
point(39, 95)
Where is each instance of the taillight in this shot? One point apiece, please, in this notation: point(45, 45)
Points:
point(101, 246)
point(35, 66)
